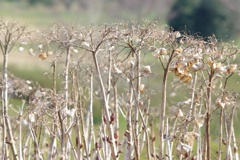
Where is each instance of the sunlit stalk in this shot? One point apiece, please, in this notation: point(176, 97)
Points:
point(106, 108)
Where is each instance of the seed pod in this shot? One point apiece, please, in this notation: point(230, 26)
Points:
point(141, 88)
point(178, 50)
point(115, 135)
point(43, 56)
point(103, 139)
point(112, 118)
point(146, 69)
point(97, 145)
point(105, 119)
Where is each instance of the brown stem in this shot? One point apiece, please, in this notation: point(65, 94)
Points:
point(208, 116)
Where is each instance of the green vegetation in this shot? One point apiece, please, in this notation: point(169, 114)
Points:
point(204, 18)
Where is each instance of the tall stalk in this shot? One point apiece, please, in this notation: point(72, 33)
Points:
point(192, 110)
point(89, 119)
point(66, 77)
point(116, 110)
point(162, 112)
point(128, 132)
point(66, 96)
point(106, 107)
point(53, 143)
point(136, 109)
point(220, 135)
point(11, 33)
point(81, 125)
point(235, 148)
point(163, 104)
point(4, 106)
point(207, 146)
point(229, 138)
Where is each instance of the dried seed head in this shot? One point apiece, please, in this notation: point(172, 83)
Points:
point(199, 119)
point(31, 117)
point(160, 51)
point(190, 137)
point(197, 67)
point(146, 69)
point(21, 49)
point(40, 46)
point(43, 56)
point(116, 69)
point(178, 50)
point(177, 34)
point(152, 138)
point(49, 53)
point(219, 103)
point(31, 52)
point(181, 41)
point(86, 44)
point(186, 78)
point(176, 111)
point(231, 68)
point(140, 103)
point(141, 88)
point(210, 62)
point(183, 148)
point(70, 112)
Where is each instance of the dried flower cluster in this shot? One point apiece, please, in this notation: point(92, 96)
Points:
point(109, 73)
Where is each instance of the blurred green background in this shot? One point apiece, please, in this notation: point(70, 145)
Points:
point(204, 17)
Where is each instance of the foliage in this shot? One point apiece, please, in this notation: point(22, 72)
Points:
point(104, 68)
point(204, 18)
point(45, 2)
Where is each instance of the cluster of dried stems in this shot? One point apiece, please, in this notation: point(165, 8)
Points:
point(111, 69)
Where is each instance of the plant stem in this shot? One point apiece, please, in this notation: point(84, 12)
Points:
point(7, 123)
point(229, 138)
point(4, 108)
point(208, 116)
point(137, 100)
point(235, 148)
point(163, 104)
point(106, 108)
point(162, 114)
point(128, 132)
point(220, 135)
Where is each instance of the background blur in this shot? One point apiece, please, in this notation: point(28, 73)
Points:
point(204, 17)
